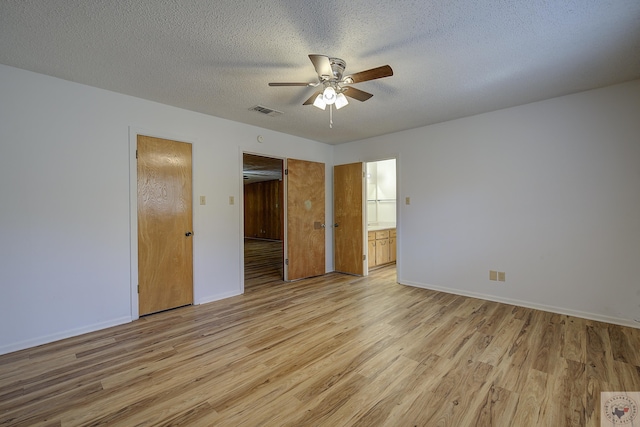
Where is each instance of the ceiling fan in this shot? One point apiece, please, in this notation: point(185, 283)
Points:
point(334, 86)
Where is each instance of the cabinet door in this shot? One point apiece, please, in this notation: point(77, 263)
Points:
point(392, 249)
point(371, 256)
point(382, 251)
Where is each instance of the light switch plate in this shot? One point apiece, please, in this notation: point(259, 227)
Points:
point(493, 275)
point(231, 200)
point(203, 200)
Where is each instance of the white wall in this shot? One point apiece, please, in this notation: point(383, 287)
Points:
point(547, 192)
point(65, 248)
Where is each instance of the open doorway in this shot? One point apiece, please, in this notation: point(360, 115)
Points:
point(381, 213)
point(263, 221)
point(297, 230)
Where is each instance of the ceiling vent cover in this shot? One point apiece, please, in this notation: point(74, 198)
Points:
point(268, 111)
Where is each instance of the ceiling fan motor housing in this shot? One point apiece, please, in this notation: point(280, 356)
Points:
point(337, 66)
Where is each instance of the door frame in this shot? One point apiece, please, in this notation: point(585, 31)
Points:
point(133, 208)
point(242, 152)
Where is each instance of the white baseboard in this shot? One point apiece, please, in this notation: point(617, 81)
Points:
point(527, 304)
point(8, 348)
point(217, 297)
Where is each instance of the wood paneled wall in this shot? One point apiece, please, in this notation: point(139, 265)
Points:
point(263, 210)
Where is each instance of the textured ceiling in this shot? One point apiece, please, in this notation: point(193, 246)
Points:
point(451, 58)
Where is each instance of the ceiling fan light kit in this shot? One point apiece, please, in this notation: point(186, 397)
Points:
point(341, 101)
point(319, 102)
point(329, 95)
point(330, 71)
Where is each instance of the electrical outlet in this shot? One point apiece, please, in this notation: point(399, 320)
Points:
point(501, 276)
point(493, 275)
point(407, 200)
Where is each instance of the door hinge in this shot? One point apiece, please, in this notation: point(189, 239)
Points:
point(136, 154)
point(286, 171)
point(286, 262)
point(364, 174)
point(138, 288)
point(364, 257)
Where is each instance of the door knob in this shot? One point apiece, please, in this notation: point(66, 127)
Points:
point(188, 233)
point(336, 224)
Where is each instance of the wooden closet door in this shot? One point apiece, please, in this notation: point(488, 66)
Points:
point(165, 224)
point(305, 219)
point(348, 189)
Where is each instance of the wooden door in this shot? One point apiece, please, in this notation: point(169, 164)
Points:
point(305, 219)
point(165, 249)
point(348, 188)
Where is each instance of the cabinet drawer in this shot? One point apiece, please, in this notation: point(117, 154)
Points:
point(371, 235)
point(382, 234)
point(392, 233)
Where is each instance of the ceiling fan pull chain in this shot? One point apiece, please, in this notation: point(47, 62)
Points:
point(330, 116)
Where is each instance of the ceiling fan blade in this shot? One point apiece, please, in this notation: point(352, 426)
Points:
point(312, 98)
point(291, 84)
point(358, 94)
point(372, 74)
point(322, 66)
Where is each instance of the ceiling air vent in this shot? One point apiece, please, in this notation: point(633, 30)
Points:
point(268, 111)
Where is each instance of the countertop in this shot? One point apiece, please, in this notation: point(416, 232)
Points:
point(378, 227)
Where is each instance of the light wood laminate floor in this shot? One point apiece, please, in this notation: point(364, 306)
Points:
point(335, 350)
point(263, 263)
